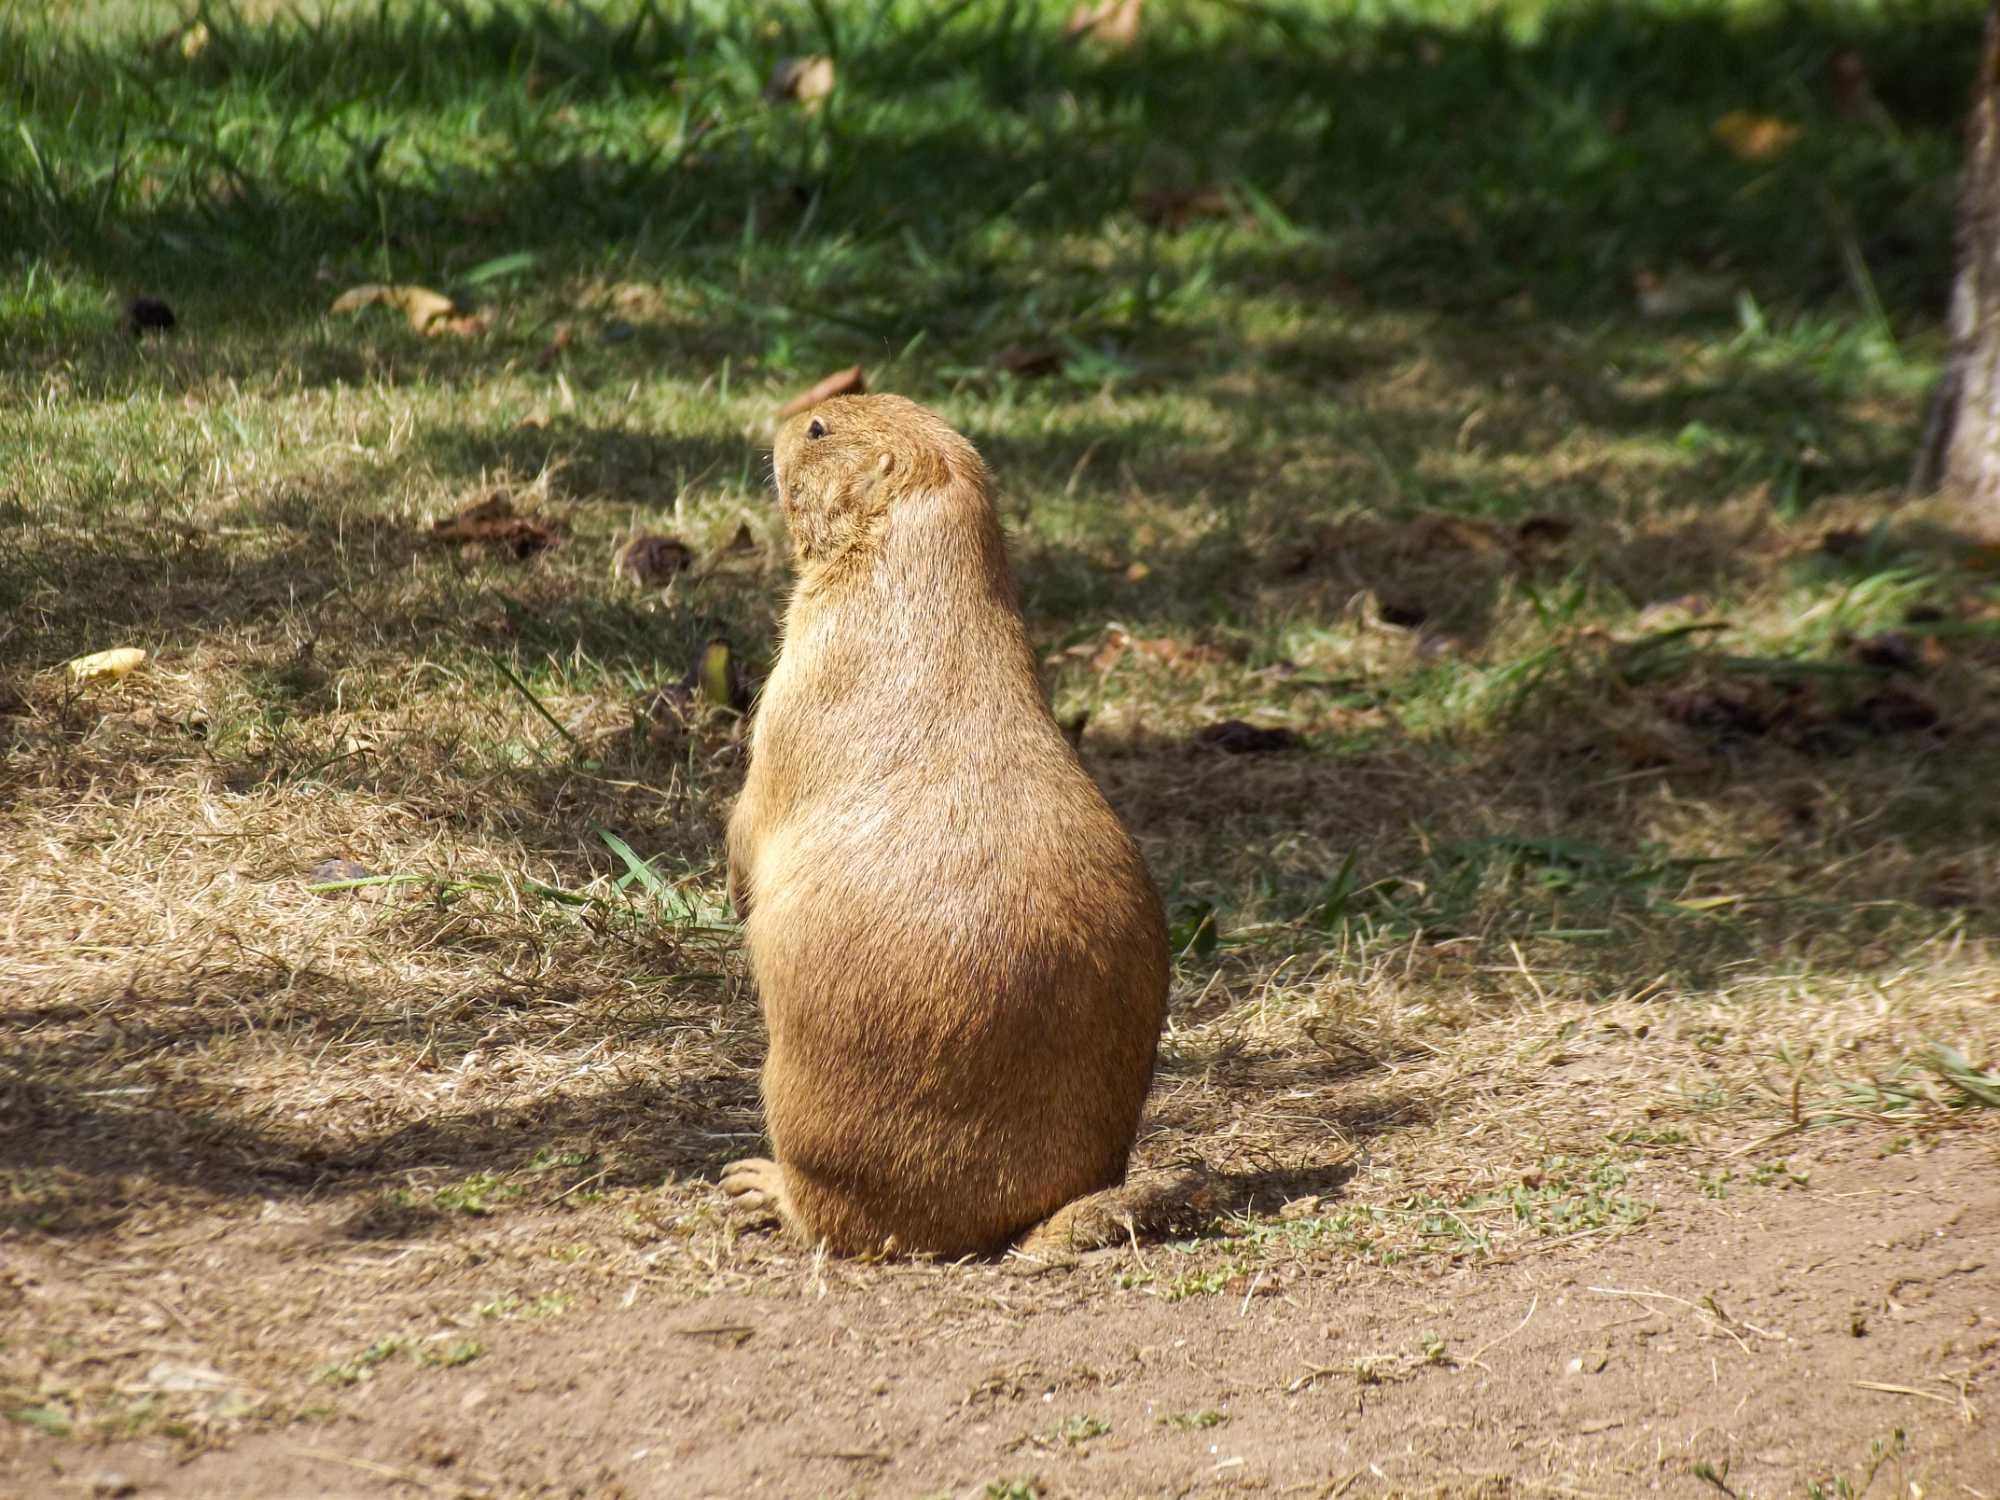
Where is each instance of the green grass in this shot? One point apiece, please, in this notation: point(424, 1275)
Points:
point(1641, 792)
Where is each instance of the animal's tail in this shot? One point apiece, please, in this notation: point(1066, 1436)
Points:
point(1148, 1208)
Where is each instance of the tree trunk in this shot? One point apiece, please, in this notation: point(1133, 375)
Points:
point(1961, 442)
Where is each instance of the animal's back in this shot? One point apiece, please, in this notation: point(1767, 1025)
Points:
point(965, 979)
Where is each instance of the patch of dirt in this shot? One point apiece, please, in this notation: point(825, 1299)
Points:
point(1837, 1322)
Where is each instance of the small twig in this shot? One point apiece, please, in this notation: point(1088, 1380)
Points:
point(1764, 1140)
point(1256, 1281)
point(1613, 1291)
point(1313, 1374)
point(1491, 1344)
point(1903, 1390)
point(536, 704)
point(579, 1186)
point(368, 1466)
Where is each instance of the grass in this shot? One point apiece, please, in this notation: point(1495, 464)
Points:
point(1637, 807)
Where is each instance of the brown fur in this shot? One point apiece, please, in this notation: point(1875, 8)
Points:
point(961, 958)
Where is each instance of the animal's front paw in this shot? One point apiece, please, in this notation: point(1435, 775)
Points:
point(758, 1186)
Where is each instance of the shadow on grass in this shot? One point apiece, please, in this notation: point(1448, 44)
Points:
point(94, 1124)
point(1423, 165)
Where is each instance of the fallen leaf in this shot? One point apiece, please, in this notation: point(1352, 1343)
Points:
point(166, 1375)
point(145, 315)
point(560, 338)
point(1749, 136)
point(1853, 92)
point(1894, 710)
point(1235, 737)
point(805, 80)
point(716, 675)
point(1110, 23)
point(464, 326)
point(1680, 294)
point(420, 305)
point(847, 382)
point(1029, 363)
point(652, 560)
point(1174, 208)
point(101, 666)
point(1892, 651)
point(1682, 607)
point(333, 871)
point(1549, 529)
point(492, 522)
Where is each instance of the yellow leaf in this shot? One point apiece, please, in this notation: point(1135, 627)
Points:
point(1705, 903)
point(419, 304)
point(1749, 136)
point(101, 665)
point(807, 79)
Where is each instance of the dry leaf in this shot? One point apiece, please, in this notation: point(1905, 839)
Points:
point(492, 522)
point(332, 871)
point(422, 306)
point(1111, 23)
point(560, 338)
point(1235, 737)
point(145, 315)
point(1749, 136)
point(1177, 207)
point(1853, 92)
point(1680, 293)
point(653, 560)
point(1029, 363)
point(847, 382)
point(808, 80)
point(102, 666)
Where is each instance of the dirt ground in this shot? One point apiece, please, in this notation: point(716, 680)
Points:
point(1827, 1336)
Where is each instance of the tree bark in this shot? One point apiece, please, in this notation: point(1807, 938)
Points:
point(1960, 451)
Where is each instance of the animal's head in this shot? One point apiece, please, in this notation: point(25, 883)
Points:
point(845, 466)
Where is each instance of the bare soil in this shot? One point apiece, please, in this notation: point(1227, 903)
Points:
point(1758, 1343)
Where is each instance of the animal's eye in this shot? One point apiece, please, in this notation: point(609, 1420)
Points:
point(817, 429)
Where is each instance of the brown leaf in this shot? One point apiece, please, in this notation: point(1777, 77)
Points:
point(1749, 136)
point(1110, 23)
point(1029, 363)
point(419, 304)
point(847, 382)
point(1234, 737)
point(1550, 529)
point(145, 315)
point(1720, 708)
point(1892, 651)
point(653, 560)
point(1174, 208)
point(492, 523)
point(330, 871)
point(107, 665)
point(804, 80)
point(1894, 710)
point(560, 338)
point(1847, 79)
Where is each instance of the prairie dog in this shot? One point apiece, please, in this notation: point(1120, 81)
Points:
point(961, 958)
